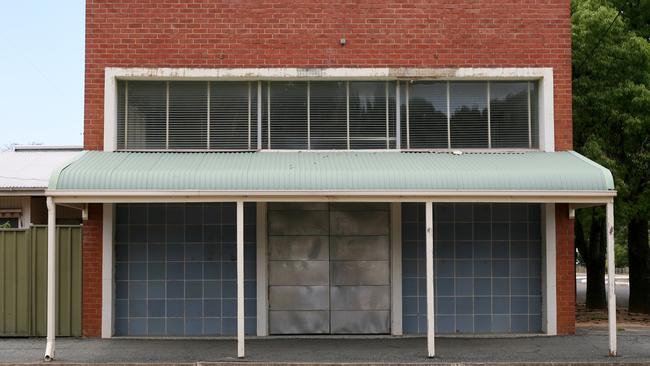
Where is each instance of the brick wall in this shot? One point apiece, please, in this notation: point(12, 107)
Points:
point(282, 33)
point(565, 269)
point(91, 308)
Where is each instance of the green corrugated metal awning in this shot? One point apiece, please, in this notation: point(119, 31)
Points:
point(331, 172)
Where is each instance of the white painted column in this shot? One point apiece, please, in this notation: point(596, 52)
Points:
point(611, 279)
point(262, 271)
point(396, 268)
point(240, 279)
point(51, 279)
point(549, 260)
point(107, 271)
point(430, 290)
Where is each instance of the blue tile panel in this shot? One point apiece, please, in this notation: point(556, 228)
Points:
point(487, 264)
point(175, 269)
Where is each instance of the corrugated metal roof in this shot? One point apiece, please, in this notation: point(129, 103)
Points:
point(332, 171)
point(31, 169)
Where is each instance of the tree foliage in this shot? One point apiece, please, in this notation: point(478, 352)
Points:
point(611, 113)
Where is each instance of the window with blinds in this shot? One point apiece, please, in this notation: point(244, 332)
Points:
point(469, 114)
point(326, 115)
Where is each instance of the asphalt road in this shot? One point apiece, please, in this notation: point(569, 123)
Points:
point(622, 289)
point(587, 346)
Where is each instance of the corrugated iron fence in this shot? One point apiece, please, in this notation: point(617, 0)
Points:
point(23, 281)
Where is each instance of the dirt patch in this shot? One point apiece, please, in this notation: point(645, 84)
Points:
point(598, 318)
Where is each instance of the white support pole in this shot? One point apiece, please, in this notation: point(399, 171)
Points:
point(429, 264)
point(611, 280)
point(396, 268)
point(240, 279)
point(262, 268)
point(51, 279)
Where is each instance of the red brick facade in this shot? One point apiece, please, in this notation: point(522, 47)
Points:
point(565, 271)
point(281, 33)
point(91, 307)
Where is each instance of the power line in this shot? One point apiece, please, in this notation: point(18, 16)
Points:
point(599, 40)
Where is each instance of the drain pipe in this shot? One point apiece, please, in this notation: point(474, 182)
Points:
point(51, 279)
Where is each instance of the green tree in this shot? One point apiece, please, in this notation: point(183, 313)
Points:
point(611, 114)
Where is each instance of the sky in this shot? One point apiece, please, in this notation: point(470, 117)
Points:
point(42, 68)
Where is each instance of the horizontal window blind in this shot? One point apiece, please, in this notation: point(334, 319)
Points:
point(509, 122)
point(368, 114)
point(146, 126)
point(121, 107)
point(288, 115)
point(427, 115)
point(468, 109)
point(326, 115)
point(188, 115)
point(233, 115)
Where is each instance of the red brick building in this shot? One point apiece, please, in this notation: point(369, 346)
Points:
point(480, 90)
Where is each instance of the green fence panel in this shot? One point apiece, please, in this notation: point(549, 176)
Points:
point(23, 281)
point(68, 283)
point(15, 270)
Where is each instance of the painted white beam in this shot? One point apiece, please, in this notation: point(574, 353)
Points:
point(431, 350)
point(51, 279)
point(107, 271)
point(396, 268)
point(549, 257)
point(262, 271)
point(100, 196)
point(240, 279)
point(611, 279)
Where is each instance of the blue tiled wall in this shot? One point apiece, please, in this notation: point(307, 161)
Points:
point(487, 268)
point(175, 269)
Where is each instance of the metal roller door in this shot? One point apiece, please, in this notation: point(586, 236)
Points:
point(329, 269)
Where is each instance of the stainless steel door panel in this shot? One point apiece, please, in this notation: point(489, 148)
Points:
point(298, 222)
point(298, 247)
point(355, 248)
point(360, 322)
point(299, 298)
point(329, 268)
point(360, 297)
point(315, 273)
point(359, 223)
point(299, 322)
point(360, 273)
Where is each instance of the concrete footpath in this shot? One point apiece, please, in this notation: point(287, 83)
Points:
point(588, 346)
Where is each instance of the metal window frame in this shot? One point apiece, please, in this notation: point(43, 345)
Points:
point(249, 115)
point(398, 116)
point(126, 114)
point(308, 115)
point(347, 112)
point(530, 132)
point(167, 115)
point(208, 114)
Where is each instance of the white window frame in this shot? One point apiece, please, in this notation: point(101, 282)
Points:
point(544, 75)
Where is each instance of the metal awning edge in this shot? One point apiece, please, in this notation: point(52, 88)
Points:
point(56, 173)
point(607, 174)
point(114, 196)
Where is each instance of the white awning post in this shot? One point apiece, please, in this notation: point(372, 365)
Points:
point(51, 279)
point(240, 279)
point(611, 279)
point(429, 264)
